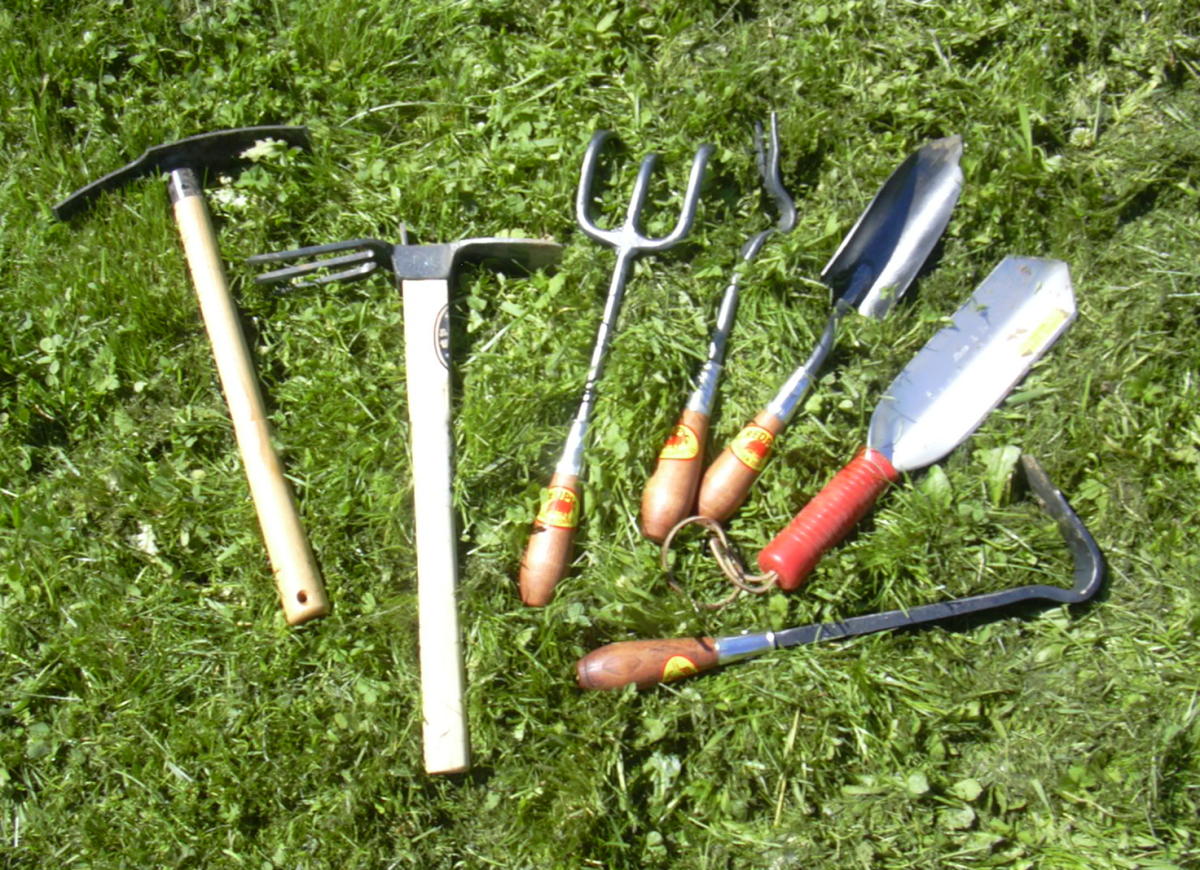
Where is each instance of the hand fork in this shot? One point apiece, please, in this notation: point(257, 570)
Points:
point(549, 548)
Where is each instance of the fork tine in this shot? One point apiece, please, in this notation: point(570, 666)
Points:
point(348, 275)
point(305, 271)
point(375, 246)
point(365, 256)
point(304, 268)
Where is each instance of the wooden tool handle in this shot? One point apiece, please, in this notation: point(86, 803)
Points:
point(549, 550)
point(729, 478)
point(427, 363)
point(670, 493)
point(296, 574)
point(828, 518)
point(645, 662)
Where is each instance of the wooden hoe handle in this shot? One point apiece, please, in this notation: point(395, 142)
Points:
point(670, 493)
point(444, 730)
point(729, 478)
point(645, 662)
point(549, 550)
point(296, 574)
point(828, 518)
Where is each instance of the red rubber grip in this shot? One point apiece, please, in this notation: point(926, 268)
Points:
point(827, 518)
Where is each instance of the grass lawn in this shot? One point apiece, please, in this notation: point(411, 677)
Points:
point(157, 711)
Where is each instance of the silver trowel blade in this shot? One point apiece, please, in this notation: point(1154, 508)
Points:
point(967, 368)
point(882, 254)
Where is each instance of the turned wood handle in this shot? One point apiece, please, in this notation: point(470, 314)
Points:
point(729, 478)
point(445, 737)
point(296, 576)
point(670, 493)
point(645, 662)
point(828, 518)
point(549, 550)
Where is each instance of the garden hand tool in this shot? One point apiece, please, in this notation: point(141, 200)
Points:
point(549, 548)
point(873, 267)
point(184, 162)
point(671, 491)
point(940, 398)
point(647, 662)
point(424, 273)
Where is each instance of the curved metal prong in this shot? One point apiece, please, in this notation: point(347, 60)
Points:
point(691, 199)
point(583, 195)
point(641, 187)
point(768, 168)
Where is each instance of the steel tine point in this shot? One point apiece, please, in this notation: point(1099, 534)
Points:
point(347, 275)
point(641, 187)
point(768, 165)
point(302, 276)
point(583, 195)
point(367, 260)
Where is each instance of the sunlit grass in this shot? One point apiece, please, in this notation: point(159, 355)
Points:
point(157, 712)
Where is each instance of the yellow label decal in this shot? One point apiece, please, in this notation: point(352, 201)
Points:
point(752, 446)
point(1038, 338)
point(683, 444)
point(678, 667)
point(560, 509)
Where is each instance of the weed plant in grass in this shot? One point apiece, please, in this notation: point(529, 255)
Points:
point(156, 712)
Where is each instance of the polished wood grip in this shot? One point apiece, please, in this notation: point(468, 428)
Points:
point(670, 493)
point(296, 576)
point(549, 550)
point(645, 662)
point(828, 518)
point(729, 478)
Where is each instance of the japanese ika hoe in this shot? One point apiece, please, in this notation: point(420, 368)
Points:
point(423, 273)
point(185, 163)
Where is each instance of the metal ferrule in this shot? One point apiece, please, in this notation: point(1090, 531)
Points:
point(745, 646)
point(182, 183)
point(790, 394)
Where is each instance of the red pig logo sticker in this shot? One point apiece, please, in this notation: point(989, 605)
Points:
point(683, 444)
point(752, 446)
point(560, 509)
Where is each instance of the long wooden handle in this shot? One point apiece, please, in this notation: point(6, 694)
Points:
point(427, 364)
point(729, 478)
point(296, 576)
point(828, 518)
point(670, 493)
point(549, 550)
point(645, 662)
